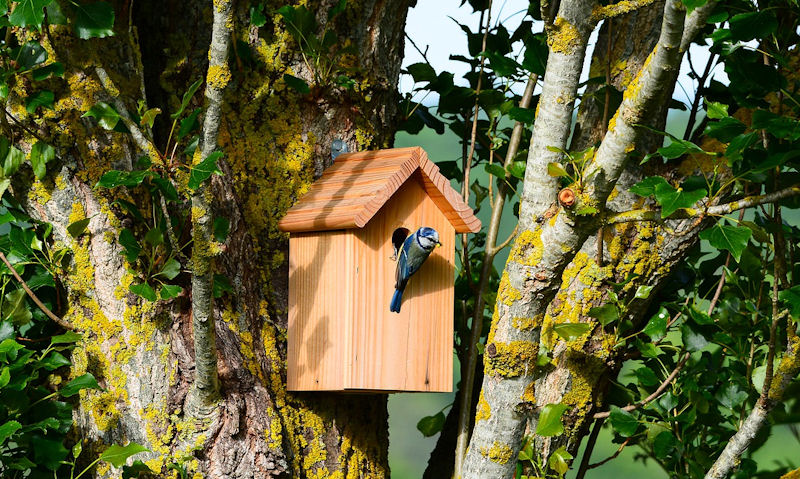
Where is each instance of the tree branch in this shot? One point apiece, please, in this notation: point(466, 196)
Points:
point(606, 12)
point(205, 390)
point(640, 96)
point(32, 295)
point(698, 211)
point(468, 382)
point(741, 440)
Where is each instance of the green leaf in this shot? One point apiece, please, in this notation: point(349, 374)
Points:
point(67, 338)
point(76, 228)
point(48, 452)
point(791, 298)
point(149, 117)
point(41, 154)
point(29, 55)
point(154, 237)
point(657, 326)
point(297, 84)
point(131, 245)
point(559, 461)
point(166, 188)
point(29, 13)
point(189, 124)
point(55, 69)
point(752, 25)
point(117, 455)
point(570, 331)
point(221, 229)
point(672, 199)
point(257, 17)
point(42, 99)
point(421, 72)
point(169, 291)
point(522, 115)
point(693, 340)
point(54, 360)
point(495, 170)
point(8, 429)
point(715, 110)
point(16, 309)
point(663, 444)
point(144, 290)
point(647, 186)
point(221, 286)
point(203, 171)
point(623, 422)
point(187, 97)
point(730, 395)
point(728, 238)
point(94, 20)
point(780, 126)
point(430, 425)
point(14, 159)
point(171, 269)
point(135, 470)
point(115, 178)
point(643, 292)
point(5, 377)
point(725, 130)
point(517, 169)
point(337, 9)
point(556, 169)
point(550, 420)
point(646, 377)
point(678, 148)
point(106, 116)
point(605, 314)
point(87, 381)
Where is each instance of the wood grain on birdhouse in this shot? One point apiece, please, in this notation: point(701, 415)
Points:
point(342, 336)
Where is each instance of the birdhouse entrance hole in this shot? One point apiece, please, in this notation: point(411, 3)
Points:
point(399, 235)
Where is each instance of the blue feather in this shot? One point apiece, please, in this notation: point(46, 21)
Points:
point(396, 298)
point(410, 258)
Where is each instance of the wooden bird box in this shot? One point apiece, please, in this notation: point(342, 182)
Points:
point(342, 336)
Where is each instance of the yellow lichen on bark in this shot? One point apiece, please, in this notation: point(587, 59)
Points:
point(563, 37)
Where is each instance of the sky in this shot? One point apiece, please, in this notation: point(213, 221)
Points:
point(431, 24)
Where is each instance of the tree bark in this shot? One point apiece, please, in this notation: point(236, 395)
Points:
point(276, 141)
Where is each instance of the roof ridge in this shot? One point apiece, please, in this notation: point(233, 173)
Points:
point(333, 206)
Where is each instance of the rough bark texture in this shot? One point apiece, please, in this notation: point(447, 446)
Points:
point(275, 141)
point(549, 250)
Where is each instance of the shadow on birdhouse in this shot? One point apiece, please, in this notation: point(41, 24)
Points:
point(343, 236)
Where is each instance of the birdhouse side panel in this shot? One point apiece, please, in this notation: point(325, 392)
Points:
point(410, 350)
point(320, 308)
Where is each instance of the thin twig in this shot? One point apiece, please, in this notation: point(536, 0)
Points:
point(587, 453)
point(698, 212)
point(466, 397)
point(32, 295)
point(658, 392)
point(612, 457)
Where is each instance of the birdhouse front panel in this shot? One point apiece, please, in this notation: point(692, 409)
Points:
point(349, 328)
point(411, 350)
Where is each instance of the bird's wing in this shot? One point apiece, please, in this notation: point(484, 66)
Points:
point(401, 272)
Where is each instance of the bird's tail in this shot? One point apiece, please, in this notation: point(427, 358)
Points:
point(396, 298)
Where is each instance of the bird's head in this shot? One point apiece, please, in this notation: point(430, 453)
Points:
point(428, 238)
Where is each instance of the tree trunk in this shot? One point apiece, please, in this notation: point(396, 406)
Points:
point(275, 141)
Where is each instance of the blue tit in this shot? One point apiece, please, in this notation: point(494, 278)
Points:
point(415, 250)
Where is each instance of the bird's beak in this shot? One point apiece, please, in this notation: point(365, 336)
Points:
point(438, 244)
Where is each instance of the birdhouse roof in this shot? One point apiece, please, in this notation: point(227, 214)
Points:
point(357, 185)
